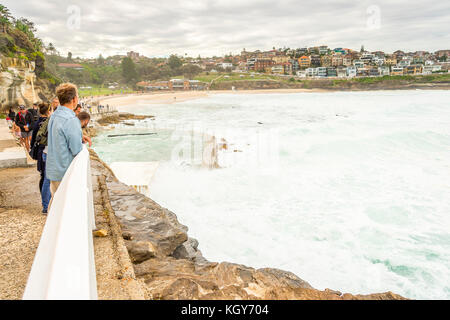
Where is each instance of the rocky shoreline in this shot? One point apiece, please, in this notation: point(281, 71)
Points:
point(167, 263)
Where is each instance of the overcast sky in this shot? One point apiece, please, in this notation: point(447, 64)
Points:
point(216, 27)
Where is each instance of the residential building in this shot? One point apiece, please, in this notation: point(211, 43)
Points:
point(337, 60)
point(133, 55)
point(441, 53)
point(379, 54)
point(358, 64)
point(295, 65)
point(418, 60)
point(428, 69)
point(323, 49)
point(251, 63)
point(263, 65)
point(280, 59)
point(341, 71)
point(301, 73)
point(176, 84)
point(322, 72)
point(340, 50)
point(287, 68)
point(325, 61)
point(277, 69)
point(405, 61)
point(315, 60)
point(347, 60)
point(384, 70)
point(304, 61)
point(373, 72)
point(367, 57)
point(399, 54)
point(396, 71)
point(413, 69)
point(75, 66)
point(362, 72)
point(313, 50)
point(390, 60)
point(378, 61)
point(301, 51)
point(331, 72)
point(311, 72)
point(225, 65)
point(351, 71)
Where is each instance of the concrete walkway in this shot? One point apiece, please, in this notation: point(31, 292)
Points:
point(21, 225)
point(11, 155)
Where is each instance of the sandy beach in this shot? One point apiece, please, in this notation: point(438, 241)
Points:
point(179, 96)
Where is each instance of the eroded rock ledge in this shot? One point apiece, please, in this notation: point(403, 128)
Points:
point(169, 264)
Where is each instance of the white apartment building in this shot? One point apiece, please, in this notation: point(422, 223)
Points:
point(351, 72)
point(311, 72)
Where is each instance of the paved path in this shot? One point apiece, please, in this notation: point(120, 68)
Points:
point(21, 224)
point(11, 155)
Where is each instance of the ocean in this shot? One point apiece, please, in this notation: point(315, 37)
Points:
point(348, 190)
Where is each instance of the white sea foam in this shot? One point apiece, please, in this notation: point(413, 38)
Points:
point(359, 201)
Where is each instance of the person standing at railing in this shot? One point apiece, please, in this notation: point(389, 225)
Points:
point(64, 135)
point(84, 118)
point(39, 151)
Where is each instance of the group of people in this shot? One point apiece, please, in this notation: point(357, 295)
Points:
point(53, 135)
point(100, 108)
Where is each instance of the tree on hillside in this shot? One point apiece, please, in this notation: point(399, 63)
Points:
point(129, 70)
point(190, 70)
point(51, 49)
point(174, 62)
point(69, 56)
point(5, 18)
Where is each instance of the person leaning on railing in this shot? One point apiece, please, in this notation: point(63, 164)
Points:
point(64, 135)
point(39, 151)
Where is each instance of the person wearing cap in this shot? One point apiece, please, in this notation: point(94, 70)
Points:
point(24, 120)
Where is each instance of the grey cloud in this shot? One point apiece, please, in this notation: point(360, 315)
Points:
point(215, 27)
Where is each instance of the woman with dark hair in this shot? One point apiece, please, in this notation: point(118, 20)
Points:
point(77, 109)
point(11, 117)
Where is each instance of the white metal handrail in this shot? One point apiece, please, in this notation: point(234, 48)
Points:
point(64, 265)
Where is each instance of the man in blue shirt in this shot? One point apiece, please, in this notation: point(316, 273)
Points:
point(64, 135)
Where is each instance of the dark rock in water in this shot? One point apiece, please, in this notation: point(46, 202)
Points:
point(260, 122)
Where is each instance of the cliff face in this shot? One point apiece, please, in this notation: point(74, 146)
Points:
point(169, 265)
point(18, 83)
